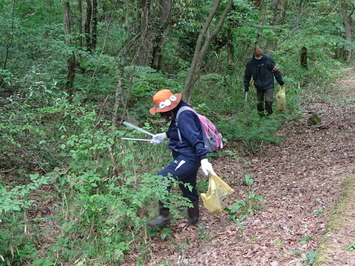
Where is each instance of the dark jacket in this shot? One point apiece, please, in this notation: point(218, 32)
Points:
point(192, 144)
point(263, 72)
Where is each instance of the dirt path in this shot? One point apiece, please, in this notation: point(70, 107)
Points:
point(301, 182)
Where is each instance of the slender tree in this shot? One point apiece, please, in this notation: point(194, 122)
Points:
point(91, 24)
point(164, 11)
point(71, 58)
point(347, 10)
point(203, 42)
point(156, 19)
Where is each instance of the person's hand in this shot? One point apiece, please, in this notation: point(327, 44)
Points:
point(158, 138)
point(246, 89)
point(206, 167)
point(282, 83)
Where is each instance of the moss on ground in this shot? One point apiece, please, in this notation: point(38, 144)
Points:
point(340, 228)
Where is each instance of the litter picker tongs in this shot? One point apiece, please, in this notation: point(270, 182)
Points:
point(139, 129)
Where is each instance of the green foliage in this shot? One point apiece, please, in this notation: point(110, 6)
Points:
point(163, 233)
point(145, 82)
point(248, 180)
point(350, 246)
point(319, 211)
point(17, 242)
point(240, 210)
point(98, 208)
point(103, 216)
point(236, 117)
point(310, 257)
point(16, 199)
point(305, 239)
point(252, 132)
point(222, 90)
point(31, 134)
point(25, 24)
point(99, 211)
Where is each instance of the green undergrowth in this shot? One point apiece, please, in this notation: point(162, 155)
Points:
point(340, 218)
point(104, 189)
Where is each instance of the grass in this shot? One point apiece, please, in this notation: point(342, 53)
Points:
point(340, 219)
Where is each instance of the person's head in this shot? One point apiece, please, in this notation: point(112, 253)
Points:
point(164, 102)
point(258, 53)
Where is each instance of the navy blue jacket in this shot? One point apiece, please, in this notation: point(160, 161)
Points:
point(192, 144)
point(263, 72)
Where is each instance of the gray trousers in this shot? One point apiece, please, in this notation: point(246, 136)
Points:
point(265, 99)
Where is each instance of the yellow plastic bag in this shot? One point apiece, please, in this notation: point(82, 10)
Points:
point(216, 198)
point(281, 99)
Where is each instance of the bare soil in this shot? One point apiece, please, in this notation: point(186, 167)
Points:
point(308, 186)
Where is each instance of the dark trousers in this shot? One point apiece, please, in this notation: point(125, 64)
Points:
point(184, 169)
point(265, 99)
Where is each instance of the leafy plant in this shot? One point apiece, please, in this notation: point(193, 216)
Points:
point(310, 257)
point(203, 233)
point(319, 211)
point(17, 244)
point(351, 246)
point(104, 217)
point(252, 132)
point(166, 232)
point(305, 239)
point(248, 180)
point(240, 210)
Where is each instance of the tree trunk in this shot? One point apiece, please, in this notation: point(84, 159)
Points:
point(71, 58)
point(163, 25)
point(155, 26)
point(128, 26)
point(262, 6)
point(304, 58)
point(66, 21)
point(87, 24)
point(80, 7)
point(257, 3)
point(278, 14)
point(348, 35)
point(91, 24)
point(202, 45)
point(144, 52)
point(94, 25)
point(278, 8)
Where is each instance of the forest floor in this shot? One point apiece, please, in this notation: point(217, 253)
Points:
point(308, 184)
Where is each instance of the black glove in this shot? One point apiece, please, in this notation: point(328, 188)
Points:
point(246, 89)
point(282, 83)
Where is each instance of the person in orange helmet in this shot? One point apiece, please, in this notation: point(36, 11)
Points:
point(189, 153)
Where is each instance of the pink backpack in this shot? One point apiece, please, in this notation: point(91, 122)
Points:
point(211, 137)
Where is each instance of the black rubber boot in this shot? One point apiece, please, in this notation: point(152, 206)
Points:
point(194, 214)
point(163, 217)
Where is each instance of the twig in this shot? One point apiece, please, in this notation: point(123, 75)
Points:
point(34, 160)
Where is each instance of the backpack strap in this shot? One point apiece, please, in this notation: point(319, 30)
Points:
point(183, 108)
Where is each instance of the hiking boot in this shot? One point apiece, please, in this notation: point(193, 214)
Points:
point(194, 214)
point(163, 217)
